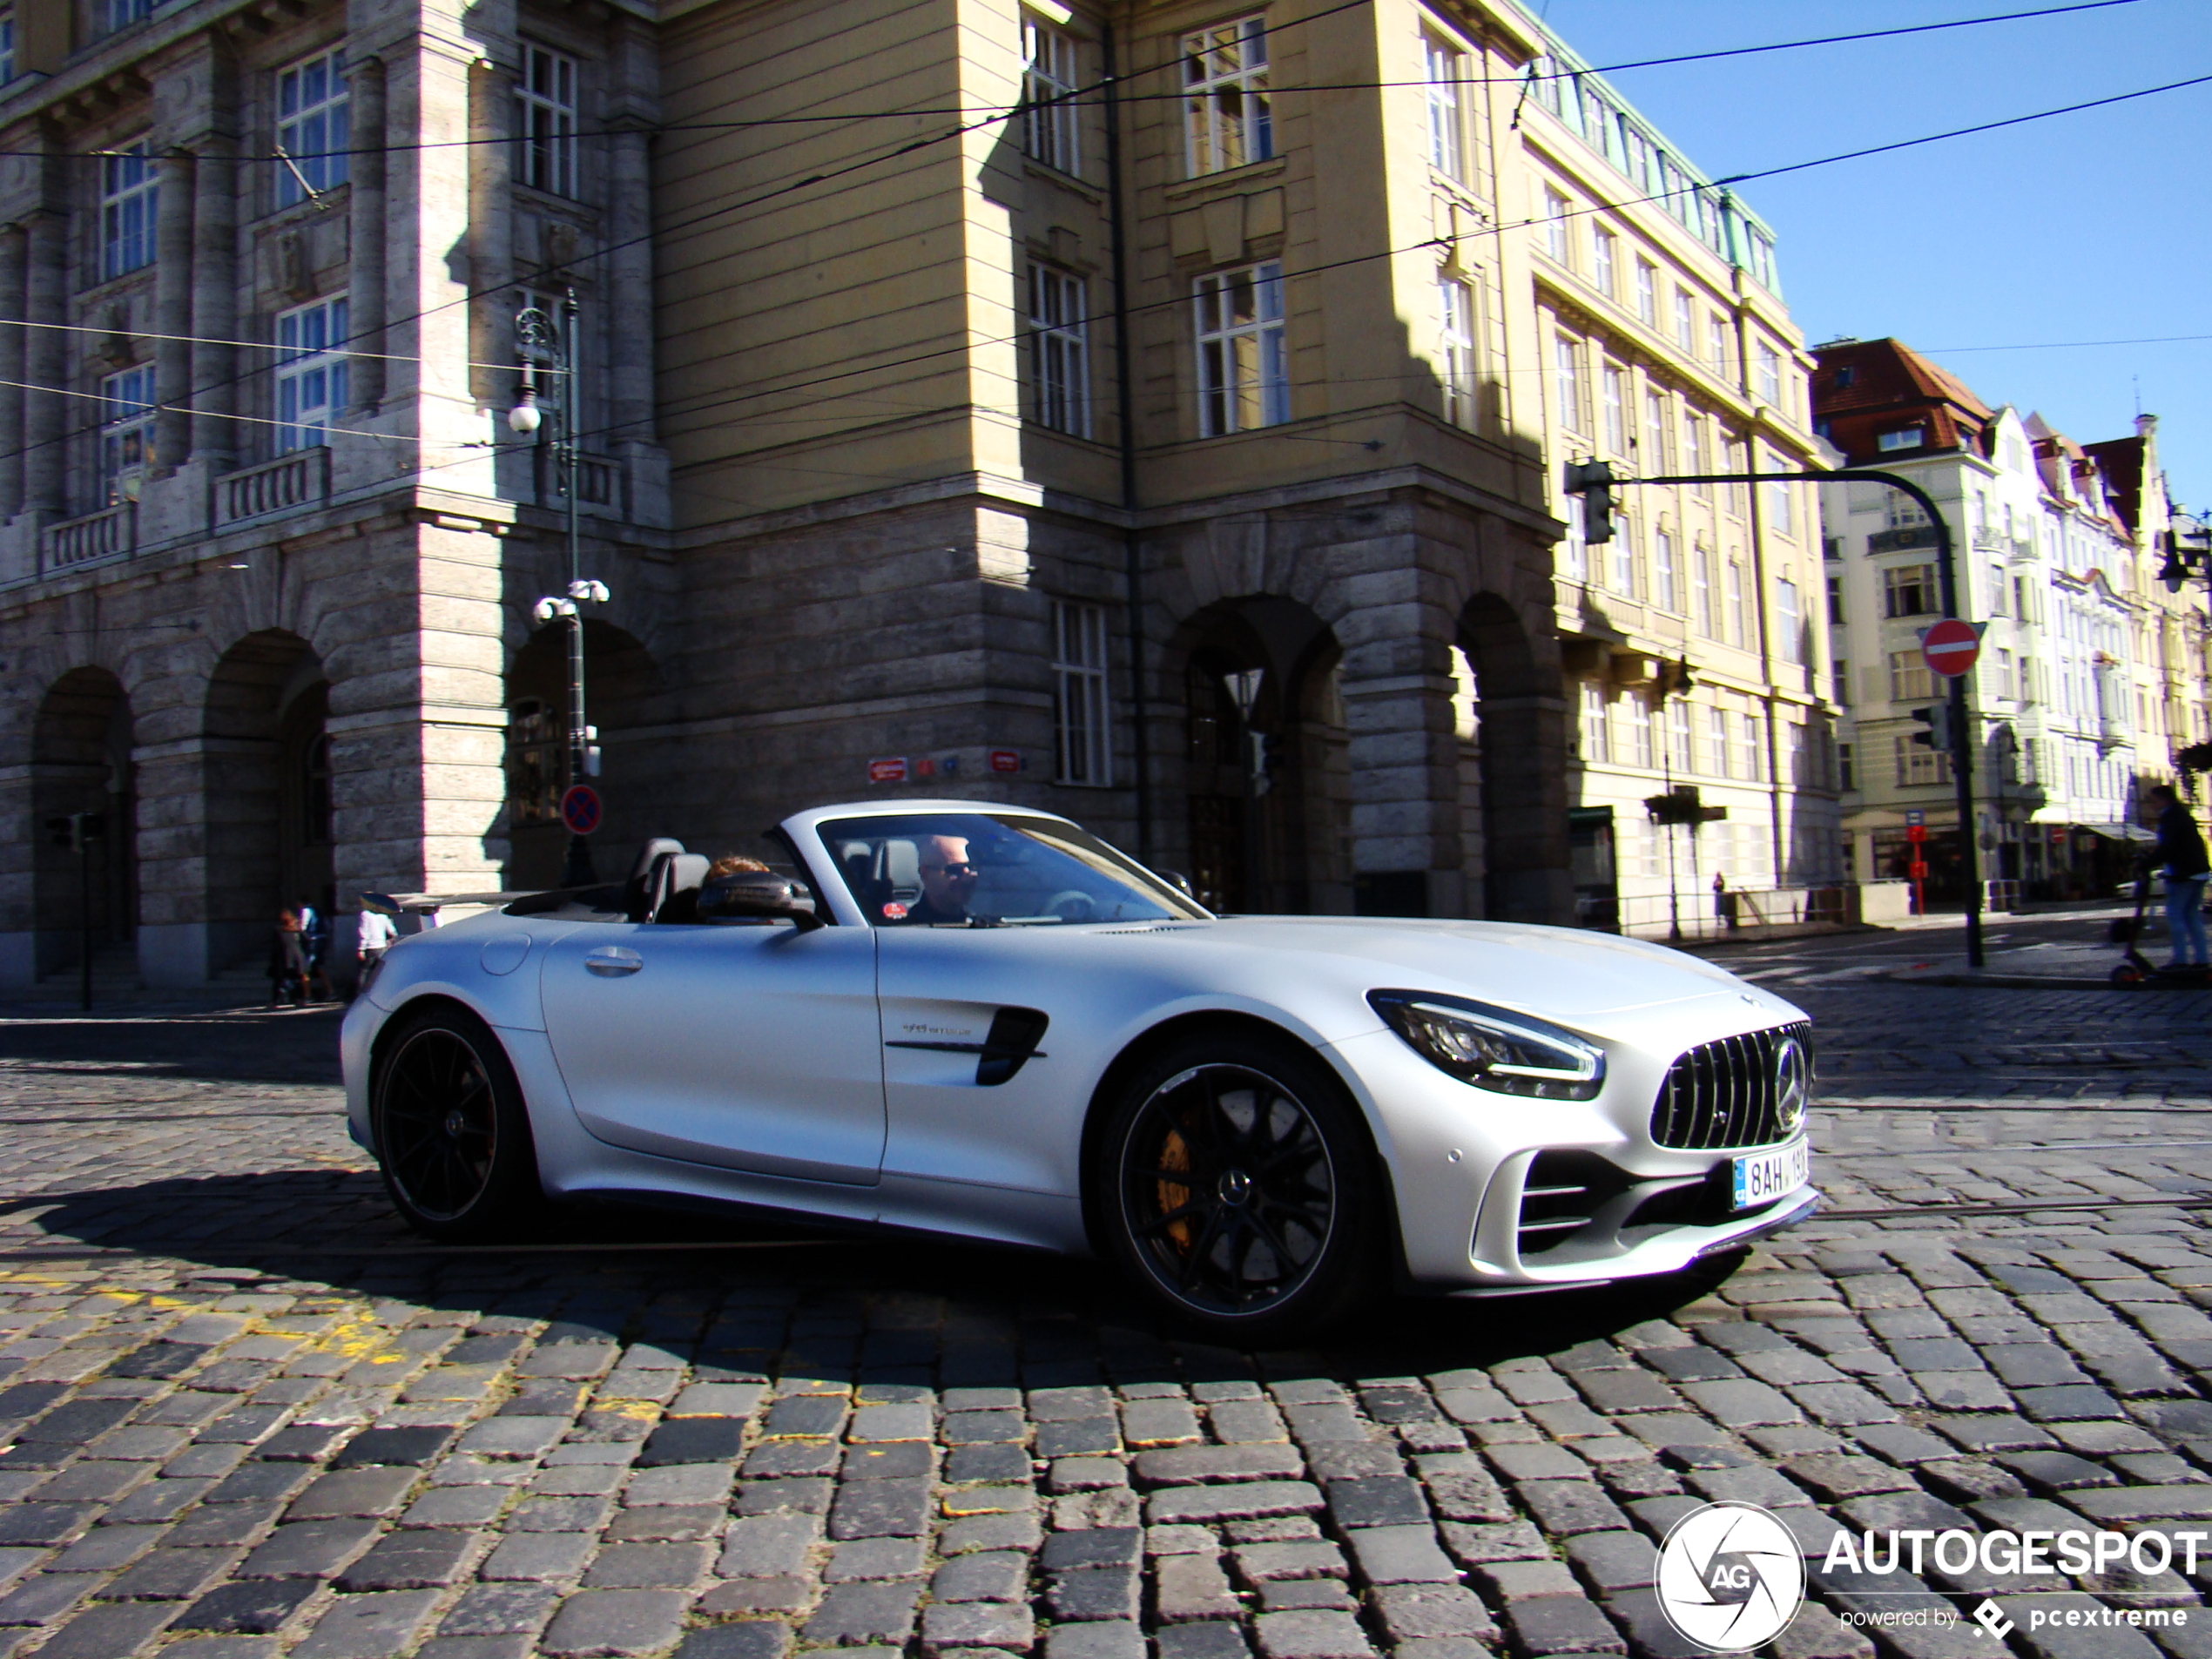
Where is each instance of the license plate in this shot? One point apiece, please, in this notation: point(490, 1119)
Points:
point(1765, 1177)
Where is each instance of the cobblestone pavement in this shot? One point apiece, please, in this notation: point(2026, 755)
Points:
point(243, 1414)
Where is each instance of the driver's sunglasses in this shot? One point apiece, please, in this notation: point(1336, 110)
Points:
point(954, 869)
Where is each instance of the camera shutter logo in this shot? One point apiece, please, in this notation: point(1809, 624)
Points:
point(1730, 1577)
point(1792, 1083)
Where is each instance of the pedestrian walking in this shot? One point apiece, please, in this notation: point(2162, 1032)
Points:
point(314, 943)
point(373, 937)
point(1724, 902)
point(2186, 867)
point(288, 960)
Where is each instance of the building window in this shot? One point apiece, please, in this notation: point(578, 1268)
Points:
point(1835, 601)
point(1613, 394)
point(1749, 765)
point(1769, 361)
point(1909, 590)
point(1846, 777)
point(1682, 751)
point(1555, 211)
point(1666, 581)
point(1717, 727)
point(1605, 248)
point(1059, 363)
point(1781, 498)
point(310, 377)
point(545, 120)
point(126, 428)
point(1916, 765)
point(121, 13)
point(1909, 677)
point(1839, 677)
point(1716, 341)
point(1739, 619)
point(1700, 566)
point(314, 126)
point(1597, 731)
point(1455, 349)
point(1639, 732)
point(7, 47)
point(128, 189)
point(1578, 550)
point(1079, 707)
point(1648, 293)
point(1228, 122)
point(1447, 69)
point(1243, 376)
point(1566, 377)
point(1788, 621)
point(1624, 557)
point(1685, 322)
point(1051, 125)
point(1911, 437)
point(1694, 437)
point(1658, 451)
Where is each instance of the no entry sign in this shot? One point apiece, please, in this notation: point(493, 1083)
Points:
point(1951, 646)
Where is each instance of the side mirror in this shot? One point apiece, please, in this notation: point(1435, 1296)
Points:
point(756, 896)
point(1179, 881)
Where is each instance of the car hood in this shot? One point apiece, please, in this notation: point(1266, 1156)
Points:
point(1596, 982)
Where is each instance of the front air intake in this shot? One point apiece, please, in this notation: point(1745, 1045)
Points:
point(1734, 1092)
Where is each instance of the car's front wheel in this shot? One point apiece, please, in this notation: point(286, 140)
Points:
point(1234, 1179)
point(452, 1135)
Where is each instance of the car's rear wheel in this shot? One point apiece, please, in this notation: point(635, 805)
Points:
point(1236, 1181)
point(452, 1135)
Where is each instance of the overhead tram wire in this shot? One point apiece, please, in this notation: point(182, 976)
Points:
point(1075, 93)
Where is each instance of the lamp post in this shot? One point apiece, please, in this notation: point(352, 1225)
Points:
point(548, 355)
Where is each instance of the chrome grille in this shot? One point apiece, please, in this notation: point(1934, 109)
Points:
point(1723, 1094)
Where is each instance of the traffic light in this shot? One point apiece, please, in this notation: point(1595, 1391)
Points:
point(1593, 482)
point(1935, 727)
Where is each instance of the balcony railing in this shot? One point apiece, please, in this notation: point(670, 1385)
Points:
point(600, 484)
point(110, 533)
point(1898, 540)
point(301, 479)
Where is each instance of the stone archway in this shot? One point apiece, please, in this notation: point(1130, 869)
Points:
point(1266, 799)
point(1521, 753)
point(620, 679)
point(265, 774)
point(81, 762)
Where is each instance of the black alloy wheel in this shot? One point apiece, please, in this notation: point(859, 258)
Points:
point(1241, 1188)
point(451, 1134)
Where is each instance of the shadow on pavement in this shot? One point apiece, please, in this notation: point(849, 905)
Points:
point(234, 1045)
point(600, 1269)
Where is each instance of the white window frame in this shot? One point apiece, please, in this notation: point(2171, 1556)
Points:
point(130, 197)
point(1658, 433)
point(1788, 621)
point(1739, 618)
point(1455, 349)
point(1082, 711)
point(314, 125)
point(1716, 728)
point(1613, 403)
point(1244, 359)
point(1059, 351)
point(1907, 437)
point(1769, 372)
point(1624, 556)
point(1640, 749)
point(1694, 437)
point(1228, 118)
point(312, 378)
point(1685, 322)
point(1445, 66)
point(1052, 124)
point(1597, 727)
point(1648, 293)
point(546, 105)
point(1701, 582)
point(1782, 499)
point(1556, 208)
point(1567, 382)
point(1605, 260)
point(1681, 745)
point(1716, 341)
point(1753, 768)
point(1666, 576)
point(126, 428)
point(1909, 677)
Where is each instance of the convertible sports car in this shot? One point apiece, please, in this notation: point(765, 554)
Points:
point(979, 1020)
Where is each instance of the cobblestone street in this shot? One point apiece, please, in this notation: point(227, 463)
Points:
point(245, 1413)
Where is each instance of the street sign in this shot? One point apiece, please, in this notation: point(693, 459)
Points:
point(580, 809)
point(890, 770)
point(1917, 872)
point(1951, 646)
point(1005, 761)
point(1916, 815)
point(1916, 833)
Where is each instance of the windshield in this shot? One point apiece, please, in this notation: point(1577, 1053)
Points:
point(986, 870)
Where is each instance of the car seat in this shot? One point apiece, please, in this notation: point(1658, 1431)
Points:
point(672, 886)
point(635, 893)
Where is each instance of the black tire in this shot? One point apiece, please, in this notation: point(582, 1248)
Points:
point(2126, 974)
point(452, 1135)
point(1275, 1233)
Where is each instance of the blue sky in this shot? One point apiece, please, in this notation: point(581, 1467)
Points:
point(2092, 226)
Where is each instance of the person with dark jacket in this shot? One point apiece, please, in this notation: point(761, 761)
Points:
point(2186, 867)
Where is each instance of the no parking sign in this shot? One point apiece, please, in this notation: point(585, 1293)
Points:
point(580, 809)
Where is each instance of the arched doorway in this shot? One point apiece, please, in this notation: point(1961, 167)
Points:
point(267, 781)
point(1266, 789)
point(620, 678)
point(81, 762)
point(1518, 720)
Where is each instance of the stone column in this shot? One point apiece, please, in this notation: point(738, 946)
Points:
point(631, 286)
point(216, 441)
point(365, 290)
point(45, 447)
point(1403, 754)
point(15, 259)
point(173, 308)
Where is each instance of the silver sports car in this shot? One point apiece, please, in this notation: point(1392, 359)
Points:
point(980, 1020)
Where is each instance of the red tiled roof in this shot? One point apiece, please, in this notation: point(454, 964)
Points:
point(1890, 388)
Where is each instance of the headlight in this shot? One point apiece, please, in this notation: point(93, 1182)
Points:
point(1492, 1048)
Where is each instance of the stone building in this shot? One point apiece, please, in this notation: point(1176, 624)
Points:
point(1174, 454)
point(2091, 674)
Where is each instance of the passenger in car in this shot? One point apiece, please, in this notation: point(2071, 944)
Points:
point(948, 880)
point(734, 864)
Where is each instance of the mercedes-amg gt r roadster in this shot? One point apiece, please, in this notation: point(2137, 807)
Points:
point(979, 1021)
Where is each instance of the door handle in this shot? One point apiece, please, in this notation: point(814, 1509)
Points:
point(611, 961)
